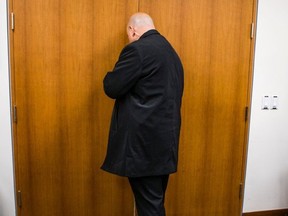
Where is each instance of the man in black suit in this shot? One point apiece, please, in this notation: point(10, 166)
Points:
point(147, 83)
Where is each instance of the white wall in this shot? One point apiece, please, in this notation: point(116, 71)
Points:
point(7, 201)
point(267, 169)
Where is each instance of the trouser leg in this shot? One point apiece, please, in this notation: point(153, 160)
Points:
point(149, 193)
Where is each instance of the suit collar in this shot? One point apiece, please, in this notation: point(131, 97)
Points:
point(148, 33)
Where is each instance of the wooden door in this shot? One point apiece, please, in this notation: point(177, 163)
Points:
point(214, 41)
point(60, 52)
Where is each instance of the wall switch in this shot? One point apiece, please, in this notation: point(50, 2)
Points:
point(274, 102)
point(265, 102)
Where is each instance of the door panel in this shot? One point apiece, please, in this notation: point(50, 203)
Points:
point(213, 41)
point(61, 51)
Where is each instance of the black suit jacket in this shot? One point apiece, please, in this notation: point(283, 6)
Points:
point(147, 83)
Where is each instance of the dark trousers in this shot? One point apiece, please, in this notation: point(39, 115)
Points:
point(149, 194)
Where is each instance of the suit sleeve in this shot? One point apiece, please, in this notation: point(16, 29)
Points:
point(125, 74)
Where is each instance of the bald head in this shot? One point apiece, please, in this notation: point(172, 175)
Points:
point(138, 24)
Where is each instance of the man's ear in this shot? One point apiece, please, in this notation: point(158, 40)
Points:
point(130, 28)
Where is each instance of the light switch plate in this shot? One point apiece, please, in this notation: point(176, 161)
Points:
point(265, 102)
point(274, 102)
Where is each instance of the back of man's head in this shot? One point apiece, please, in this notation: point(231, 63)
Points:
point(138, 24)
point(142, 20)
